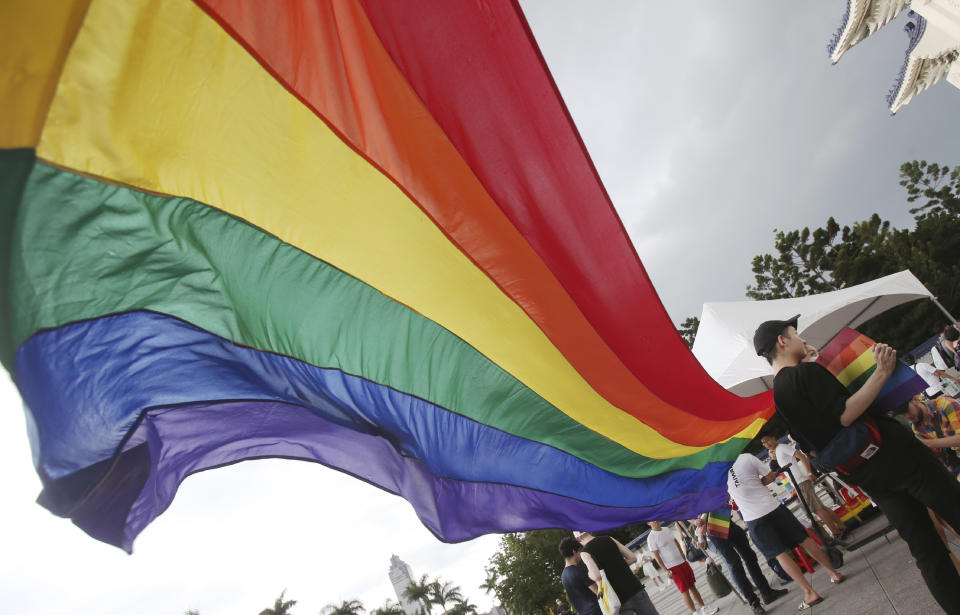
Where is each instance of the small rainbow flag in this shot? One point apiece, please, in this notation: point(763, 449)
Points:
point(718, 523)
point(849, 357)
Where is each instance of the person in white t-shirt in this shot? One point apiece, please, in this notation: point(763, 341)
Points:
point(773, 528)
point(931, 375)
point(802, 473)
point(649, 570)
point(944, 351)
point(664, 546)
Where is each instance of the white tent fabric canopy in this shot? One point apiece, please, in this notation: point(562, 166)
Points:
point(724, 342)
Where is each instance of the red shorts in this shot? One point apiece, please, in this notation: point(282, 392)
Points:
point(683, 576)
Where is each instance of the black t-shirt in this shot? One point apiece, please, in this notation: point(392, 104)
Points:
point(811, 401)
point(577, 584)
point(605, 553)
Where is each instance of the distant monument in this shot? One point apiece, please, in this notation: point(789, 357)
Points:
point(400, 576)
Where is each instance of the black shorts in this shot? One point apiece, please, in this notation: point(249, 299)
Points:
point(776, 532)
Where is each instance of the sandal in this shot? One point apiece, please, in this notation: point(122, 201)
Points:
point(804, 605)
point(838, 581)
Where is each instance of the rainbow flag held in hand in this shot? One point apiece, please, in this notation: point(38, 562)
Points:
point(849, 357)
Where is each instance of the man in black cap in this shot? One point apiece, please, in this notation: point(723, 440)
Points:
point(870, 450)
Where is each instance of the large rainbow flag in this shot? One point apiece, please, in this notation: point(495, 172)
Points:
point(363, 233)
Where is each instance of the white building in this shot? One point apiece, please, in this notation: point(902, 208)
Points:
point(401, 575)
point(933, 49)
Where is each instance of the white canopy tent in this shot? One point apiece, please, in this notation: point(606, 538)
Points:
point(724, 342)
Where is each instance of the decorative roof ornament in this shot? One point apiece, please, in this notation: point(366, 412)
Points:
point(933, 51)
point(919, 72)
point(861, 19)
point(914, 30)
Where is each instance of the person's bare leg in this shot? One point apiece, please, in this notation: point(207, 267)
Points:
point(791, 568)
point(687, 600)
point(811, 547)
point(831, 520)
point(938, 524)
point(947, 526)
point(697, 599)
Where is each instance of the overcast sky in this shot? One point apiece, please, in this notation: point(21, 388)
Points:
point(709, 127)
point(712, 127)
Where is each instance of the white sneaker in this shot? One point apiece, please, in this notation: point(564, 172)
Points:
point(708, 610)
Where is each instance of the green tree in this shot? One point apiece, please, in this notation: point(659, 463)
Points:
point(930, 252)
point(526, 570)
point(833, 257)
point(347, 607)
point(489, 584)
point(463, 607)
point(420, 591)
point(938, 187)
point(280, 607)
point(442, 593)
point(524, 573)
point(801, 267)
point(390, 607)
point(688, 330)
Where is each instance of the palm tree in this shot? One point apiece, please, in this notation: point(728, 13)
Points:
point(280, 607)
point(489, 585)
point(347, 607)
point(389, 607)
point(463, 607)
point(443, 593)
point(419, 591)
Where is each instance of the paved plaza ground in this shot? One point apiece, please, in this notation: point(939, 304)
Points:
point(882, 579)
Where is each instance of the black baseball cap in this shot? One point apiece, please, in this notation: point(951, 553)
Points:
point(765, 337)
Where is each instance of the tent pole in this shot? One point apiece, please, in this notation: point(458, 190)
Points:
point(943, 309)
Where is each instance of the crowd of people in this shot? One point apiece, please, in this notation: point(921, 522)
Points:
point(911, 477)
